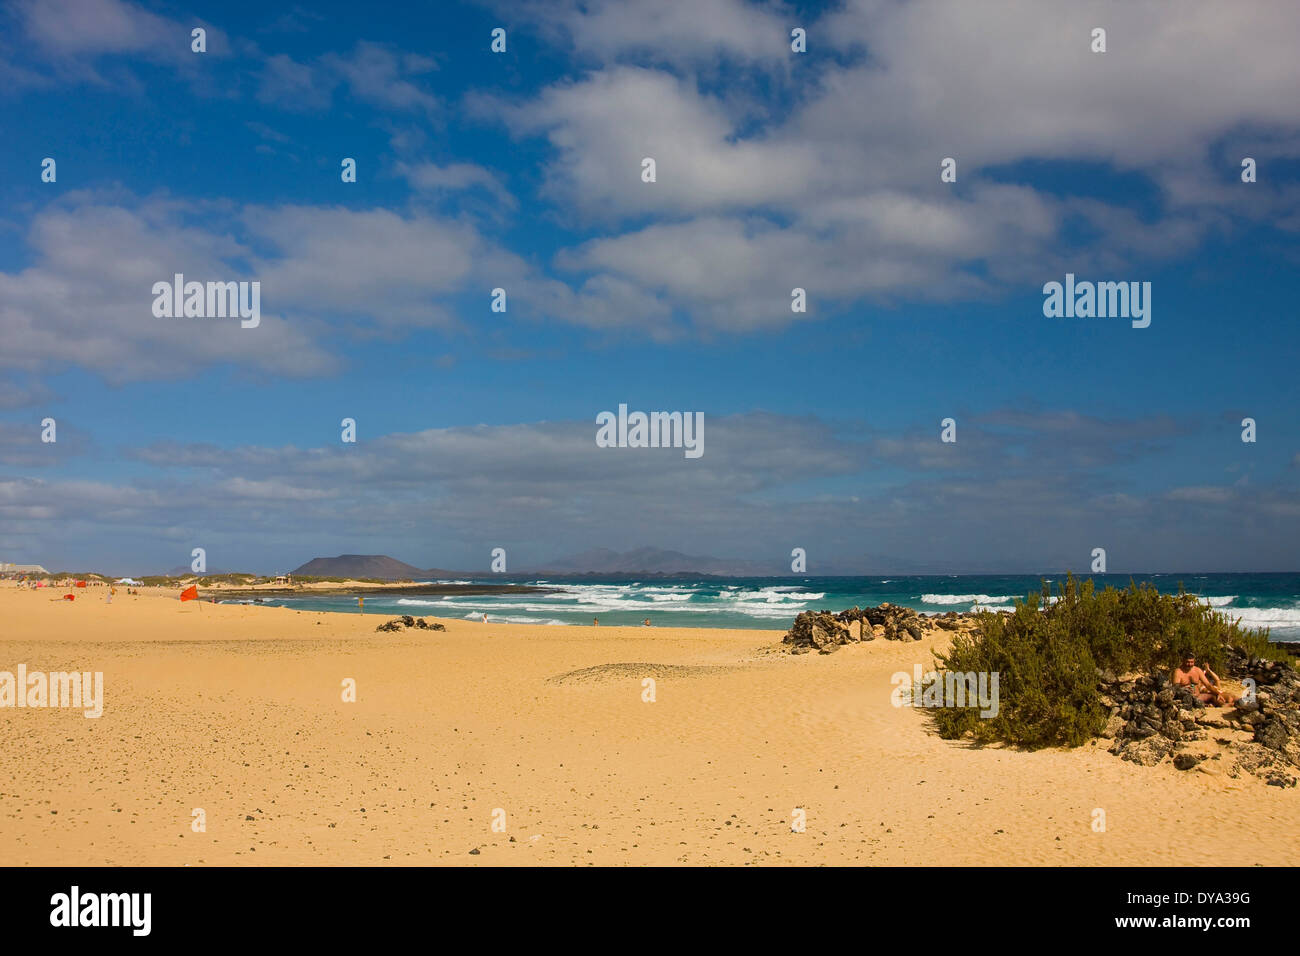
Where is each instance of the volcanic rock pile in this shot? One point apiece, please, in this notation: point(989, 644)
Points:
point(824, 632)
point(1274, 715)
point(405, 621)
point(1151, 719)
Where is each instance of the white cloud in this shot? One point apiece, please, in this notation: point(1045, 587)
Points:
point(456, 177)
point(603, 126)
point(286, 82)
point(842, 182)
point(384, 77)
point(675, 31)
point(379, 266)
point(70, 37)
point(86, 299)
point(94, 27)
point(374, 73)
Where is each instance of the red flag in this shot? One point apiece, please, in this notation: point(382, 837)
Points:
point(191, 593)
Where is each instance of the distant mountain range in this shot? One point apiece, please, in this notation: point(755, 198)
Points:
point(644, 561)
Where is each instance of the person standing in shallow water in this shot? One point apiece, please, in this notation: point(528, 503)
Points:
point(595, 622)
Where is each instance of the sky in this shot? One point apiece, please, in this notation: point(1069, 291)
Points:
point(775, 170)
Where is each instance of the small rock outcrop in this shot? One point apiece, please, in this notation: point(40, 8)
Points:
point(824, 632)
point(1274, 715)
point(405, 621)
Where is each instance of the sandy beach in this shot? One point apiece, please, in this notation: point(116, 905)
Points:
point(238, 711)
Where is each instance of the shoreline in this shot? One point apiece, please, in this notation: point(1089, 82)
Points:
point(227, 596)
point(468, 590)
point(1291, 648)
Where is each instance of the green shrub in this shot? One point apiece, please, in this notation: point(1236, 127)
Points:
point(1047, 653)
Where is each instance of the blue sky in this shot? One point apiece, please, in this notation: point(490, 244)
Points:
point(775, 170)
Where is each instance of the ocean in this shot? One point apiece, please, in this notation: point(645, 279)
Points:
point(1258, 600)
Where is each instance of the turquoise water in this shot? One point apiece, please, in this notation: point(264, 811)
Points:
point(1258, 600)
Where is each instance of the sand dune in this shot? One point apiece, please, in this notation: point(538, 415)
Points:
point(238, 711)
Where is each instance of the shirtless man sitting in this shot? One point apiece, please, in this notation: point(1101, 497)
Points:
point(1204, 685)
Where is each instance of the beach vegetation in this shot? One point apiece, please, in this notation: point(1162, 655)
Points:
point(1050, 651)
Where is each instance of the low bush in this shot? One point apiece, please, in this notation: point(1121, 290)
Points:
point(1048, 651)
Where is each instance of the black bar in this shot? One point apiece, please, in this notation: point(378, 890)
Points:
point(301, 906)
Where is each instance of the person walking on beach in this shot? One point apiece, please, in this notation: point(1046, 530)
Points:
point(1189, 675)
point(484, 617)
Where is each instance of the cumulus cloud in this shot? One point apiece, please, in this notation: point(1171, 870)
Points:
point(456, 177)
point(376, 74)
point(385, 77)
point(833, 189)
point(97, 27)
point(674, 31)
point(287, 83)
point(72, 40)
point(15, 393)
point(602, 126)
point(842, 182)
point(86, 299)
point(21, 445)
point(375, 265)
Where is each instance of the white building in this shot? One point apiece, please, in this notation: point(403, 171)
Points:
point(21, 569)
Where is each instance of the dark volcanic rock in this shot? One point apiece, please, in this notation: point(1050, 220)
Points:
point(1147, 752)
point(818, 630)
point(405, 621)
